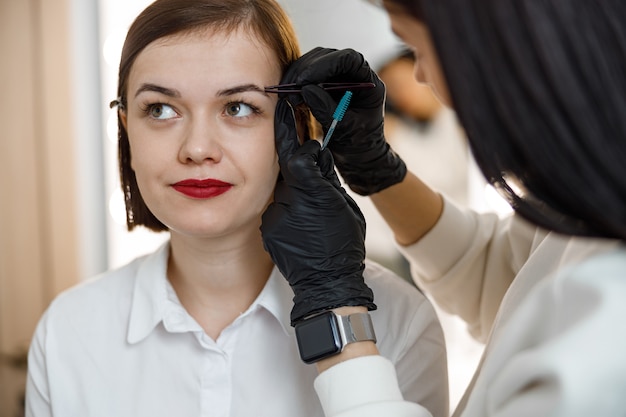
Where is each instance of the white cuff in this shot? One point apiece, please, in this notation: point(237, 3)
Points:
point(363, 386)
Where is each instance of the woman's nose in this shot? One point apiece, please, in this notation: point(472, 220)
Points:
point(201, 143)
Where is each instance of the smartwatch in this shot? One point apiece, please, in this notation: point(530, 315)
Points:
point(326, 334)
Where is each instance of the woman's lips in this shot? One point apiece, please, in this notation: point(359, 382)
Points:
point(202, 188)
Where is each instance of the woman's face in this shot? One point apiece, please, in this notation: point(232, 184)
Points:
point(416, 35)
point(201, 131)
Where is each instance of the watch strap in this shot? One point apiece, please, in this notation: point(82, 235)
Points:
point(357, 327)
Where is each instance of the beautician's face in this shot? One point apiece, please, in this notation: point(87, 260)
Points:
point(416, 35)
point(201, 131)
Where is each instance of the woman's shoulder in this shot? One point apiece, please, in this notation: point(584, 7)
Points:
point(605, 268)
point(400, 304)
point(386, 283)
point(598, 279)
point(581, 304)
point(112, 287)
point(568, 331)
point(599, 282)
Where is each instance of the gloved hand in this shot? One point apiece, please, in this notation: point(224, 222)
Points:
point(364, 158)
point(314, 231)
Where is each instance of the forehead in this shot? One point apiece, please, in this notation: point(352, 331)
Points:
point(215, 54)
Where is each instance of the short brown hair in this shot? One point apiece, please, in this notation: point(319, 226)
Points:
point(264, 18)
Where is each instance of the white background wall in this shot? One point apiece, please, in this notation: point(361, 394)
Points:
point(116, 17)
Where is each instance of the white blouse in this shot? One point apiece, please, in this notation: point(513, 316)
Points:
point(123, 345)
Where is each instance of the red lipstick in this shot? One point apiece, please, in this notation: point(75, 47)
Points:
point(202, 189)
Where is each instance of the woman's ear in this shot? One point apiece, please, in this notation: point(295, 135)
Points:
point(121, 112)
point(307, 126)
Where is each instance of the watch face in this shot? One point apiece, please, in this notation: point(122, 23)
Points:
point(318, 337)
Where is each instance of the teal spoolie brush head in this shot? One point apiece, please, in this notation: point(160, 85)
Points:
point(340, 111)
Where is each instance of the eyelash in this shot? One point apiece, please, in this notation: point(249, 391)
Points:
point(255, 110)
point(147, 107)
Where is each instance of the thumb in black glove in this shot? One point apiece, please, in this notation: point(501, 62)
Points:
point(364, 158)
point(314, 231)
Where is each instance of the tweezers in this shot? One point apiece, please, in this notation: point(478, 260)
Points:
point(295, 88)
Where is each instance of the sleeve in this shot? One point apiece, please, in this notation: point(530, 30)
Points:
point(468, 260)
point(364, 387)
point(37, 388)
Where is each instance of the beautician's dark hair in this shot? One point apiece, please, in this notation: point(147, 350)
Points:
point(265, 19)
point(540, 88)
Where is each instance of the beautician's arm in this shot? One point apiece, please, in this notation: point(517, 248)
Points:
point(409, 207)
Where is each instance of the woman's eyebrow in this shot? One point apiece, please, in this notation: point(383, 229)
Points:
point(157, 89)
point(241, 89)
point(224, 92)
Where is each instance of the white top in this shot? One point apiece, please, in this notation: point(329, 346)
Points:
point(123, 345)
point(558, 341)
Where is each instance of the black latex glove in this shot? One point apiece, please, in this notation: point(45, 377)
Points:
point(364, 158)
point(314, 231)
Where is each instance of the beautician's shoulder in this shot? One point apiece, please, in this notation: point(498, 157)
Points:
point(602, 278)
point(567, 332)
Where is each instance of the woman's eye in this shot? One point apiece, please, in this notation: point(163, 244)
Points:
point(161, 111)
point(239, 109)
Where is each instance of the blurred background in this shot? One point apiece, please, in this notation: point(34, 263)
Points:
point(62, 216)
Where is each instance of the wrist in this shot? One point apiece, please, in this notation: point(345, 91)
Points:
point(347, 310)
point(378, 174)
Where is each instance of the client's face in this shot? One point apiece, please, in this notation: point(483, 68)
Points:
point(201, 131)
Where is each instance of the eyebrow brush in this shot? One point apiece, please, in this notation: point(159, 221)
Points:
point(340, 111)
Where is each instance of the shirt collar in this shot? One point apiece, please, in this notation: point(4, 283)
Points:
point(277, 298)
point(152, 300)
point(150, 294)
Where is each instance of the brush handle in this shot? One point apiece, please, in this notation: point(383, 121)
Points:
point(329, 133)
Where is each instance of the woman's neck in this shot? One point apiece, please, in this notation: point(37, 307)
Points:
point(217, 281)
